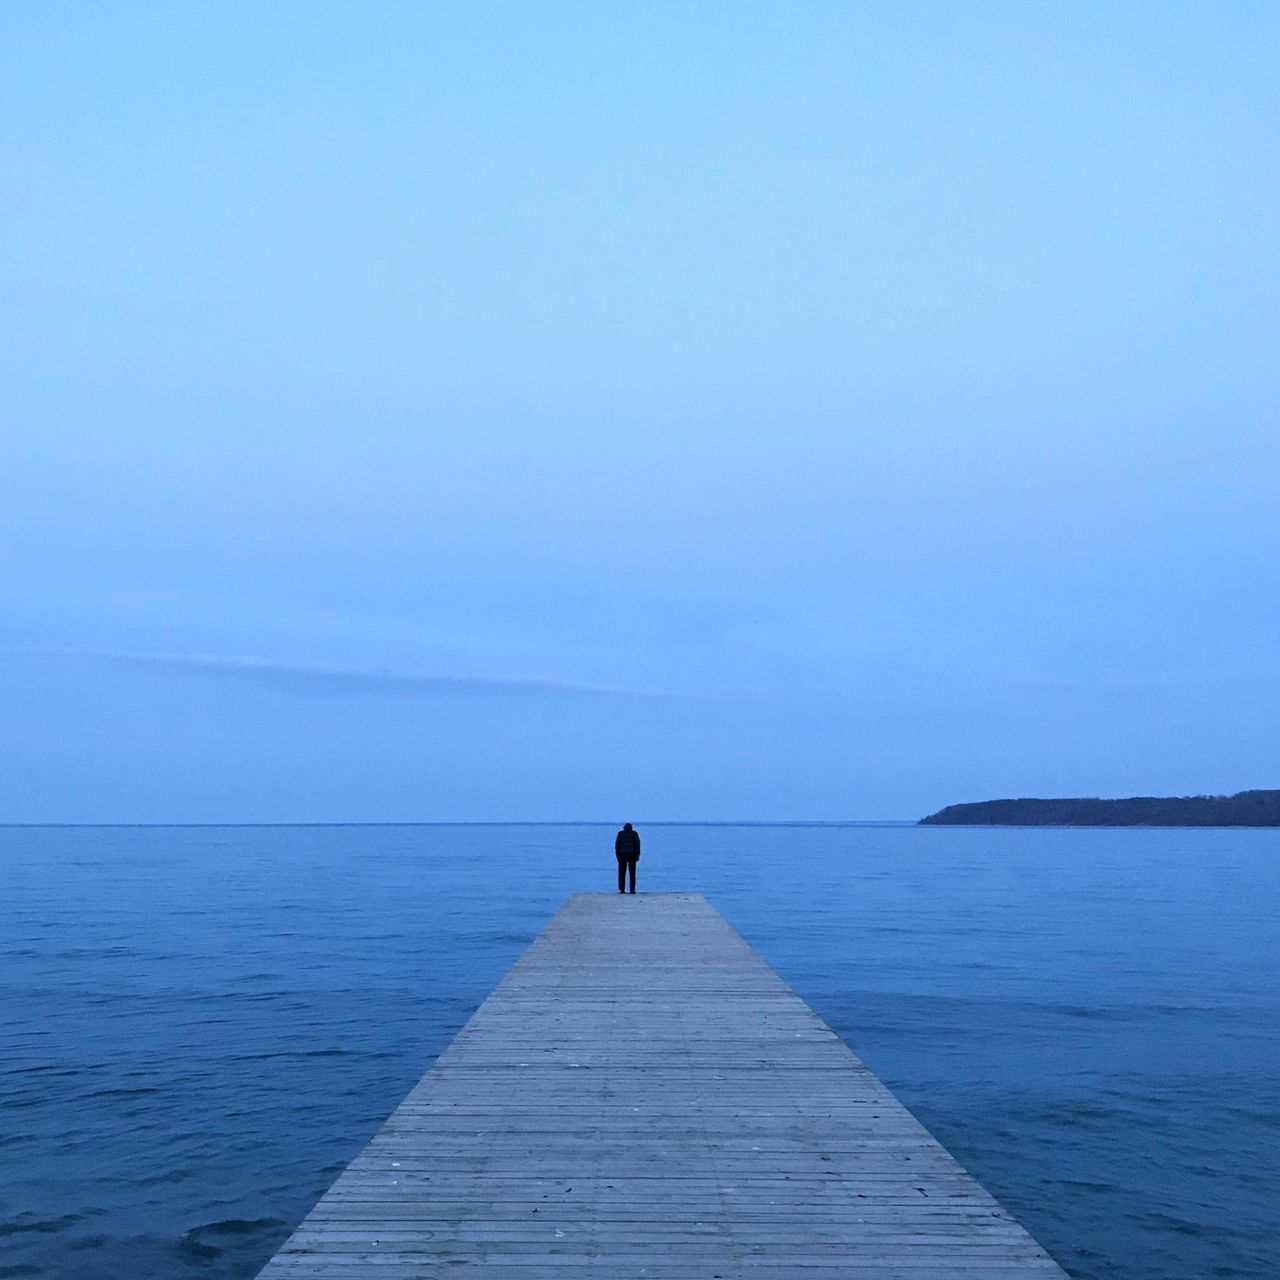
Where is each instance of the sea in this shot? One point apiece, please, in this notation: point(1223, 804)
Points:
point(200, 1026)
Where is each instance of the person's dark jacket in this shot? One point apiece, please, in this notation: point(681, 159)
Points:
point(627, 844)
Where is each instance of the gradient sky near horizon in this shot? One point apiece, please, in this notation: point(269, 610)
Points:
point(574, 411)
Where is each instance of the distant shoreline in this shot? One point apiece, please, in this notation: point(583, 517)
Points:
point(1244, 809)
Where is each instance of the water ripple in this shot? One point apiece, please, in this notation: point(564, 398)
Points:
point(202, 1026)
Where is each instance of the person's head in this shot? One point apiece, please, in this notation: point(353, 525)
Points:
point(626, 826)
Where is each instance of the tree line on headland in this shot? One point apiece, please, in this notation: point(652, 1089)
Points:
point(1244, 809)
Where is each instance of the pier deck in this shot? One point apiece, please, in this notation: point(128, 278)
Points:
point(641, 1096)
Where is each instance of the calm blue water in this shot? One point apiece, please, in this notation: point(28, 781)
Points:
point(200, 1026)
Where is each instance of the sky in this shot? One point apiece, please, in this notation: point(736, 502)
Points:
point(540, 411)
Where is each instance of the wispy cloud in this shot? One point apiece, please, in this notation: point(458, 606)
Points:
point(331, 680)
point(1107, 686)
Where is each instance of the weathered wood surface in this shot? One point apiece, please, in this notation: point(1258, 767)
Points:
point(641, 1096)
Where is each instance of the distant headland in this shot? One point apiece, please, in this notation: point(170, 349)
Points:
point(1244, 809)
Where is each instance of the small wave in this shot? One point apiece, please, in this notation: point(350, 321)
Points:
point(1081, 1184)
point(51, 1069)
point(299, 1053)
point(120, 1093)
point(95, 953)
point(1255, 1115)
point(83, 1244)
point(1098, 1013)
point(1179, 1226)
point(194, 1247)
point(239, 1226)
point(45, 1226)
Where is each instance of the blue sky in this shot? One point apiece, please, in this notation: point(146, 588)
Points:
point(484, 411)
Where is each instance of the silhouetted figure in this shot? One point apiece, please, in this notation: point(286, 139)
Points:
point(627, 848)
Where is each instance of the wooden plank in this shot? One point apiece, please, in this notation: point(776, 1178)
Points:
point(641, 1096)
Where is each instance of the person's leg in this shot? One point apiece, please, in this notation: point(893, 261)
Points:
point(622, 871)
point(631, 868)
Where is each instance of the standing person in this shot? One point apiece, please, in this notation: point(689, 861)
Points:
point(627, 848)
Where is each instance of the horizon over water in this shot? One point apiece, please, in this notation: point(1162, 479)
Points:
point(504, 822)
point(204, 1023)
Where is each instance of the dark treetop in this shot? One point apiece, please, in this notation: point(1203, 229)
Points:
point(1245, 809)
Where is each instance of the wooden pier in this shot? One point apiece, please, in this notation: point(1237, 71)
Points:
point(641, 1096)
